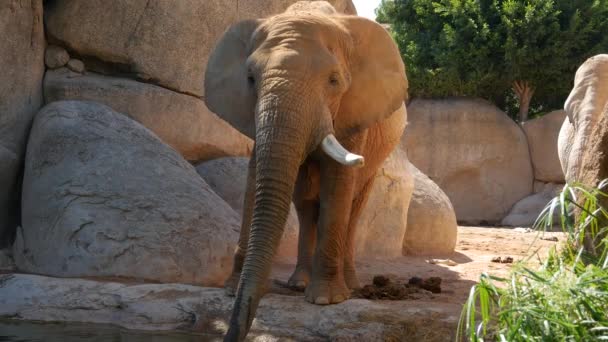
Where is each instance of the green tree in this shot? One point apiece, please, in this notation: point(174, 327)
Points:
point(520, 54)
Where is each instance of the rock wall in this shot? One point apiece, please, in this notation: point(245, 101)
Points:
point(474, 152)
point(22, 60)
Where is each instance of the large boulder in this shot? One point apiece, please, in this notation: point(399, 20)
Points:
point(542, 135)
point(182, 121)
point(431, 221)
point(525, 212)
point(22, 59)
point(583, 107)
point(474, 152)
point(383, 222)
point(227, 177)
point(103, 196)
point(163, 42)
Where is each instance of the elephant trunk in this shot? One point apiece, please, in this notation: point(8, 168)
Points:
point(280, 149)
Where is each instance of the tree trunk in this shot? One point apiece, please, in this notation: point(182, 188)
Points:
point(524, 93)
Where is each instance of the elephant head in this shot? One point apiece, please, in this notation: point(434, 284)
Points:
point(297, 83)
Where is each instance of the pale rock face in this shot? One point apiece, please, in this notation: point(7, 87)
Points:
point(227, 177)
point(431, 222)
point(103, 196)
point(182, 121)
point(474, 152)
point(583, 107)
point(525, 212)
point(206, 310)
point(542, 135)
point(55, 57)
point(22, 57)
point(164, 42)
point(383, 221)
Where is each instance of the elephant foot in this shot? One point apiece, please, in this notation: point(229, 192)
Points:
point(231, 284)
point(300, 278)
point(351, 279)
point(323, 292)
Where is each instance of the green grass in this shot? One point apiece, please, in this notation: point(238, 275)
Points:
point(565, 298)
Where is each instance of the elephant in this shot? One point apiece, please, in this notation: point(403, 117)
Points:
point(322, 95)
point(583, 107)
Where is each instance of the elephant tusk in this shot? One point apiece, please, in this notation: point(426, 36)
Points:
point(337, 152)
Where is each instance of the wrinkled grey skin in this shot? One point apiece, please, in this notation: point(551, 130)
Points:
point(288, 82)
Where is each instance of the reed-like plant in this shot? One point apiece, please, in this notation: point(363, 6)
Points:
point(565, 298)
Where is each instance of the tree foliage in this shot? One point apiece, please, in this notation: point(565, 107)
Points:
point(502, 50)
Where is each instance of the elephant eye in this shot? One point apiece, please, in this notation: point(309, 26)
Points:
point(250, 78)
point(334, 79)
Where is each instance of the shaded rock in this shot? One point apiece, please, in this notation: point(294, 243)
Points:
point(383, 222)
point(76, 65)
point(22, 57)
point(182, 121)
point(104, 197)
point(525, 212)
point(153, 35)
point(227, 177)
point(7, 264)
point(542, 135)
point(474, 152)
point(173, 306)
point(431, 221)
point(583, 107)
point(55, 57)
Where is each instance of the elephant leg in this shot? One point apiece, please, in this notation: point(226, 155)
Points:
point(350, 273)
point(231, 284)
point(336, 195)
point(308, 212)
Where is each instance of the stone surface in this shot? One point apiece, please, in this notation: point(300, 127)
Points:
point(164, 42)
point(584, 106)
point(104, 197)
point(7, 264)
point(206, 310)
point(182, 121)
point(22, 59)
point(55, 57)
point(383, 222)
point(227, 177)
point(542, 135)
point(76, 65)
point(525, 212)
point(474, 152)
point(431, 221)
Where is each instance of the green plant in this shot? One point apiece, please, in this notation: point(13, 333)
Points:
point(519, 54)
point(566, 298)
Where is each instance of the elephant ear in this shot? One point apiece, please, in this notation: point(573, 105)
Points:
point(378, 81)
point(227, 92)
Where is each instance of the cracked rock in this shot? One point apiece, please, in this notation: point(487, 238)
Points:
point(103, 196)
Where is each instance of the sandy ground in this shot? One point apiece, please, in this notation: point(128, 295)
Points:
point(476, 248)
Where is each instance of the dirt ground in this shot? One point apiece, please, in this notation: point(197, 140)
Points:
point(476, 248)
